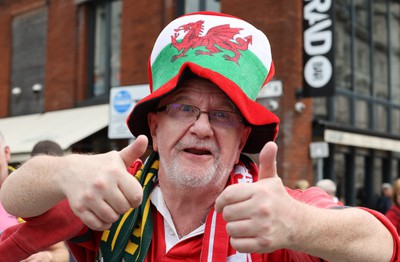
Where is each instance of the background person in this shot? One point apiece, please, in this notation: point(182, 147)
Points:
point(393, 214)
point(384, 201)
point(194, 198)
point(301, 184)
point(330, 188)
point(57, 252)
point(6, 220)
point(47, 147)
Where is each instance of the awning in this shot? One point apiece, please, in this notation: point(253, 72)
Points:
point(66, 127)
point(352, 136)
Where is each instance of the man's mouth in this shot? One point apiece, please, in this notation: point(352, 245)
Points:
point(197, 151)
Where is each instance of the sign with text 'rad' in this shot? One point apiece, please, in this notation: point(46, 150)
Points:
point(318, 48)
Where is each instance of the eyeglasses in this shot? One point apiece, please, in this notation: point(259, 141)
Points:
point(188, 113)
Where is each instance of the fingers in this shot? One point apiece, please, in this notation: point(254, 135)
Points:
point(251, 245)
point(247, 236)
point(135, 150)
point(104, 189)
point(268, 161)
point(231, 195)
point(132, 191)
point(94, 221)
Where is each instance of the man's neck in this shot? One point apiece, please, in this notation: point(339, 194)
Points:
point(188, 207)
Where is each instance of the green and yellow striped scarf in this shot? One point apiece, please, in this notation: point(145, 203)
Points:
point(129, 238)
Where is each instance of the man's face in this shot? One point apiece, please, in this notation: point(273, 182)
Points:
point(197, 153)
point(4, 158)
point(388, 192)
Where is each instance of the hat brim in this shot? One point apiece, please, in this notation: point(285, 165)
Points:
point(264, 123)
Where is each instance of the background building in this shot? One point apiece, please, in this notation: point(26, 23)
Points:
point(60, 59)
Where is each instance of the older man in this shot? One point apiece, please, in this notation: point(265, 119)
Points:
point(197, 197)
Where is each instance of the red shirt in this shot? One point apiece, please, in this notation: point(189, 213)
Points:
point(60, 223)
point(393, 214)
point(189, 250)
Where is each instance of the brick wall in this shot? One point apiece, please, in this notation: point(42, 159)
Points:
point(5, 61)
point(281, 21)
point(142, 20)
point(141, 23)
point(61, 55)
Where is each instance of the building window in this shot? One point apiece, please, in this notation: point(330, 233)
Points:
point(28, 62)
point(367, 63)
point(188, 6)
point(105, 41)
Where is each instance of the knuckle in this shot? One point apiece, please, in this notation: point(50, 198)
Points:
point(100, 183)
point(136, 200)
point(87, 197)
point(263, 244)
point(79, 208)
point(263, 210)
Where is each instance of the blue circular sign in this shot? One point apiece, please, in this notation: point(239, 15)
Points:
point(122, 101)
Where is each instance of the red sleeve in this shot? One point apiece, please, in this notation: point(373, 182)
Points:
point(393, 214)
point(316, 197)
point(38, 233)
point(385, 221)
point(313, 196)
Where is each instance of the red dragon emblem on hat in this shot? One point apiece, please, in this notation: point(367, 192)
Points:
point(217, 38)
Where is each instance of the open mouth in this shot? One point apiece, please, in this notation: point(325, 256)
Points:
point(197, 151)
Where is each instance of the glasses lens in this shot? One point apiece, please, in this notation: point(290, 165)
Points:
point(225, 118)
point(187, 113)
point(183, 112)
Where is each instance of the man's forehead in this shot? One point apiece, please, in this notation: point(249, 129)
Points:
point(199, 85)
point(195, 87)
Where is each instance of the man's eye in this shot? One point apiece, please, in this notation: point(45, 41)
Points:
point(186, 108)
point(220, 114)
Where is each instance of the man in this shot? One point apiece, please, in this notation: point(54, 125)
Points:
point(193, 198)
point(384, 201)
point(47, 147)
point(329, 186)
point(58, 251)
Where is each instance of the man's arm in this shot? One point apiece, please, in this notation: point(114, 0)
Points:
point(274, 220)
point(98, 187)
point(57, 252)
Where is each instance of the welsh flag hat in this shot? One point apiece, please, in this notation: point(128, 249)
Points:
point(228, 51)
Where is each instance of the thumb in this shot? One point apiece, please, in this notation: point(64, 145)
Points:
point(268, 161)
point(135, 150)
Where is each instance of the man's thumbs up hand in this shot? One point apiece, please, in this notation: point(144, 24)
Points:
point(258, 215)
point(99, 188)
point(268, 161)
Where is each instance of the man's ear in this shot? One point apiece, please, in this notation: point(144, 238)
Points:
point(152, 122)
point(7, 153)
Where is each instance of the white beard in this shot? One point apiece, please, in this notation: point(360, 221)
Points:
point(195, 176)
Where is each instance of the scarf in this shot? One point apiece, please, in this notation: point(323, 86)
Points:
point(129, 237)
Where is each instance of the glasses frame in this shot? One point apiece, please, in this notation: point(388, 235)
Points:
point(209, 114)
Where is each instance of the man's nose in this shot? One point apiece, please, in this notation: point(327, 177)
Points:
point(202, 126)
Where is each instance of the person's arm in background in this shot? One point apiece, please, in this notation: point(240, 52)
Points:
point(55, 253)
point(98, 187)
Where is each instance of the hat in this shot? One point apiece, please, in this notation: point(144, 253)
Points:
point(224, 49)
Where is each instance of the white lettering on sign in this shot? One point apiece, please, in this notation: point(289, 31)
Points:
point(318, 38)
